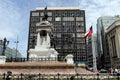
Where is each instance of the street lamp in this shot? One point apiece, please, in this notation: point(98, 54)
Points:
point(4, 42)
point(16, 46)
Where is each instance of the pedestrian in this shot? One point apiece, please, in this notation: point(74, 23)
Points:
point(111, 71)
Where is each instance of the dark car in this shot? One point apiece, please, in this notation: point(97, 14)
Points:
point(90, 68)
point(103, 71)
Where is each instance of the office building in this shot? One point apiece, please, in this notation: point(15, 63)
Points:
point(68, 31)
point(92, 51)
point(103, 53)
point(10, 53)
point(113, 38)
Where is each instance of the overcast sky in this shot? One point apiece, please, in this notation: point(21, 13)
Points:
point(14, 16)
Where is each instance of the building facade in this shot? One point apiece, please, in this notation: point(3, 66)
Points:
point(92, 52)
point(103, 53)
point(68, 31)
point(113, 36)
point(10, 52)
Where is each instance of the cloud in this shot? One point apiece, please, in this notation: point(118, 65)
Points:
point(9, 18)
point(13, 23)
point(96, 8)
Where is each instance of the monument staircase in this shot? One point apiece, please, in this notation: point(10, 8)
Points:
point(37, 67)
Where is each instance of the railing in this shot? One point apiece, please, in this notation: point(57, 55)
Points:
point(43, 59)
point(16, 59)
point(10, 76)
point(31, 59)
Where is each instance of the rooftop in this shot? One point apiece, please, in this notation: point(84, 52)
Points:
point(59, 8)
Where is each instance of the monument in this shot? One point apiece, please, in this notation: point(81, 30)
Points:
point(3, 57)
point(69, 59)
point(42, 50)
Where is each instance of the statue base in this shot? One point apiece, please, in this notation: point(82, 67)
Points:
point(69, 59)
point(42, 54)
point(2, 59)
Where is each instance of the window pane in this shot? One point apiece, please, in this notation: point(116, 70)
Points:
point(35, 13)
point(58, 19)
point(79, 19)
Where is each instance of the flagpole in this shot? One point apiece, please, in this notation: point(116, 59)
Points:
point(93, 53)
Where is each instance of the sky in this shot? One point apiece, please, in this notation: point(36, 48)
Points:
point(14, 16)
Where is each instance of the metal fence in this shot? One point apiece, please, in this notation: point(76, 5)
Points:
point(16, 59)
point(10, 76)
point(32, 59)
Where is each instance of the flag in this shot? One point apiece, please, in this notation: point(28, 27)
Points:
point(89, 33)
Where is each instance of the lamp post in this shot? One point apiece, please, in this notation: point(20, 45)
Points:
point(16, 46)
point(4, 42)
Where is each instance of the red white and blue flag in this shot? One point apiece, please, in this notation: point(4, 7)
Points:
point(89, 33)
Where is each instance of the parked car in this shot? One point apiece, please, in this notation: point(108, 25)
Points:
point(90, 68)
point(103, 71)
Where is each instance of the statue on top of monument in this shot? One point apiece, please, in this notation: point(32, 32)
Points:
point(45, 14)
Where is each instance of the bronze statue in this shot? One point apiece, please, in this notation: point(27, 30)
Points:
point(45, 14)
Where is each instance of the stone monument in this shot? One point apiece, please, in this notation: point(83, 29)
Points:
point(69, 59)
point(2, 59)
point(42, 48)
point(4, 43)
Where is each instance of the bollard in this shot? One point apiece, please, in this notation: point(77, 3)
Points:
point(18, 77)
point(54, 77)
point(30, 77)
point(58, 75)
point(77, 75)
point(118, 77)
point(72, 78)
point(4, 76)
point(21, 76)
point(42, 77)
point(97, 76)
point(108, 77)
point(67, 77)
point(39, 76)
point(81, 78)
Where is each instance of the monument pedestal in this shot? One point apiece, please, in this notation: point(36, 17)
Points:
point(69, 59)
point(43, 54)
point(42, 50)
point(2, 59)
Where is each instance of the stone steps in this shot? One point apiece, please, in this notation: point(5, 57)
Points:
point(36, 65)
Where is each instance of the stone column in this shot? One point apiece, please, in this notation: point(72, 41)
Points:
point(38, 39)
point(48, 40)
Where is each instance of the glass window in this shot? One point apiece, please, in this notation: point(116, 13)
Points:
point(58, 47)
point(68, 18)
point(58, 19)
point(79, 19)
point(40, 18)
point(33, 24)
point(34, 19)
point(80, 29)
point(49, 19)
point(35, 13)
point(49, 13)
point(80, 35)
point(80, 23)
point(42, 14)
point(58, 35)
